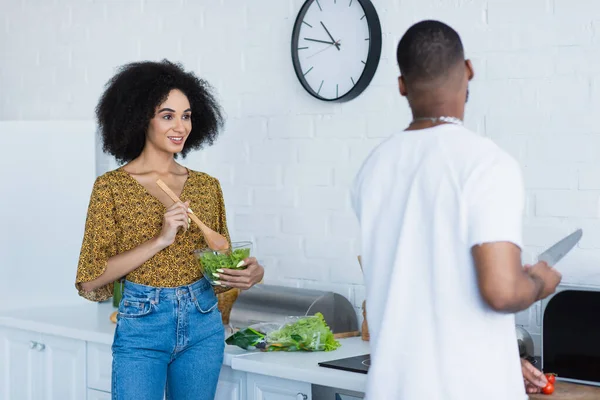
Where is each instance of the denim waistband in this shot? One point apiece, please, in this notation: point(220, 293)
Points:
point(157, 293)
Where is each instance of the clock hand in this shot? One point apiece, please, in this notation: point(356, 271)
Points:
point(320, 41)
point(322, 50)
point(331, 37)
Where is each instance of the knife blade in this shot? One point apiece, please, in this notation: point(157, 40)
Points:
point(556, 252)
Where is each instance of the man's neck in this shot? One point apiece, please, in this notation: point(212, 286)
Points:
point(427, 117)
point(437, 103)
point(442, 111)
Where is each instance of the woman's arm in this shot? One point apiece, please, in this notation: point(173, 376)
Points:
point(122, 264)
point(238, 279)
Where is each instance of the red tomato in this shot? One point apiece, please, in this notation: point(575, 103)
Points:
point(551, 378)
point(548, 389)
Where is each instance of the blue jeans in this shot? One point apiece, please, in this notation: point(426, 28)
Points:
point(167, 339)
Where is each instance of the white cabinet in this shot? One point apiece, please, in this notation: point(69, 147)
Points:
point(262, 387)
point(63, 372)
point(19, 365)
point(232, 385)
point(98, 395)
point(41, 367)
point(35, 366)
point(99, 367)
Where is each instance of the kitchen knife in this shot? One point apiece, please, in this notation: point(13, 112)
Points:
point(555, 253)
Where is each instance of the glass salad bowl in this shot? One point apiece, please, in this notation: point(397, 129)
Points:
point(211, 260)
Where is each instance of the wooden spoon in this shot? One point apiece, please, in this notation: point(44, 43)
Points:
point(214, 240)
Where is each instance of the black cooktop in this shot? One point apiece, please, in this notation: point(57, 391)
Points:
point(358, 364)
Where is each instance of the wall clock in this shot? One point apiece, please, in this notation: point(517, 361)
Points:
point(336, 46)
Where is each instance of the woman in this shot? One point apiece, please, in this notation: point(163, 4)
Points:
point(169, 334)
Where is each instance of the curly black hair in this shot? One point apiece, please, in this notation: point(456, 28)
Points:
point(130, 100)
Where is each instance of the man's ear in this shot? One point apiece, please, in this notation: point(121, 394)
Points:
point(402, 86)
point(470, 70)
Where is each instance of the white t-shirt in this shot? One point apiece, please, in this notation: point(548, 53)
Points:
point(424, 199)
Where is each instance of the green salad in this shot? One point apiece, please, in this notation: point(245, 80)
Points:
point(210, 261)
point(310, 333)
point(303, 334)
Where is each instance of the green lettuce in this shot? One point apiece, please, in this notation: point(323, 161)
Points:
point(303, 334)
point(210, 262)
point(247, 339)
point(307, 333)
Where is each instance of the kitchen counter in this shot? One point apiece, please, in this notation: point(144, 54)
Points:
point(570, 391)
point(305, 366)
point(91, 323)
point(88, 322)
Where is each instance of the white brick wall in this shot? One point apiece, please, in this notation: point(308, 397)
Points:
point(286, 160)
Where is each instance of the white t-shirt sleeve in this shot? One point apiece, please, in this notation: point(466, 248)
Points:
point(495, 200)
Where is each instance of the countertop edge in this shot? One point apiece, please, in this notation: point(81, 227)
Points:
point(85, 335)
point(324, 377)
point(45, 328)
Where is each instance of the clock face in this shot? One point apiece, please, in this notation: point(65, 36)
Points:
point(336, 45)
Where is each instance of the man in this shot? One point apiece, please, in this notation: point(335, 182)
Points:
point(440, 210)
point(534, 379)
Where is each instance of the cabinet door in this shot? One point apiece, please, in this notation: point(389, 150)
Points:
point(97, 395)
point(232, 385)
point(63, 368)
point(19, 365)
point(262, 387)
point(99, 367)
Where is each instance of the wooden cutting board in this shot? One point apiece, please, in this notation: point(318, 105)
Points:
point(570, 391)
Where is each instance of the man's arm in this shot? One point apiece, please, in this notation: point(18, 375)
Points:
point(503, 282)
point(494, 200)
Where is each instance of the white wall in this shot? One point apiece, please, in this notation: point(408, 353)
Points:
point(46, 172)
point(285, 159)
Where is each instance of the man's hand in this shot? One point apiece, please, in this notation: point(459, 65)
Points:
point(547, 275)
point(534, 379)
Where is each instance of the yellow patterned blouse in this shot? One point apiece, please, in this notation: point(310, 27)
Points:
point(122, 215)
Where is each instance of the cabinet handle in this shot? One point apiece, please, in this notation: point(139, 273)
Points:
point(41, 346)
point(301, 396)
point(32, 344)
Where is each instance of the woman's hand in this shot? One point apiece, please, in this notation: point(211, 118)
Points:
point(242, 279)
point(175, 217)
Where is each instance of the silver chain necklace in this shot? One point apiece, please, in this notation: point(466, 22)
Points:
point(450, 120)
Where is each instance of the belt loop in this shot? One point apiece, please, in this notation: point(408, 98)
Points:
point(156, 295)
point(192, 295)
